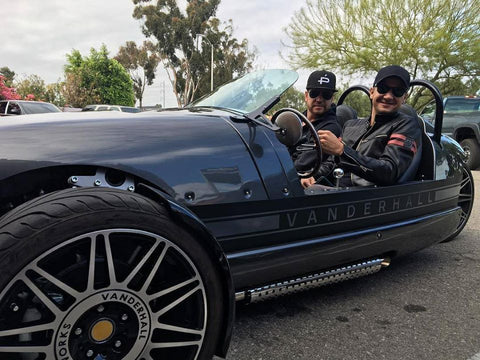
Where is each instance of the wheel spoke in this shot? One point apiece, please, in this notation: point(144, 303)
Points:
point(172, 288)
point(464, 201)
point(154, 270)
point(142, 262)
point(43, 298)
point(111, 267)
point(58, 283)
point(28, 329)
point(175, 344)
point(178, 301)
point(29, 349)
point(179, 329)
point(91, 266)
point(465, 182)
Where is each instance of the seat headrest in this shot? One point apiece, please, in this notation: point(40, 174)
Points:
point(345, 113)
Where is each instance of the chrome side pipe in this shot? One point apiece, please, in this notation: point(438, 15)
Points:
point(312, 281)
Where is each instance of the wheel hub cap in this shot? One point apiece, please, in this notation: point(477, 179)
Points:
point(112, 324)
point(102, 330)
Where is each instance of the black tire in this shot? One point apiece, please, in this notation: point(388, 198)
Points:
point(472, 149)
point(465, 201)
point(88, 272)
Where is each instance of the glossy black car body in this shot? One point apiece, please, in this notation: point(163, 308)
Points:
point(222, 176)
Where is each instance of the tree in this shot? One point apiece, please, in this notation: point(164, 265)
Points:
point(7, 93)
point(231, 57)
point(33, 87)
point(8, 75)
point(97, 77)
point(54, 94)
point(141, 63)
point(75, 92)
point(292, 98)
point(433, 39)
point(175, 32)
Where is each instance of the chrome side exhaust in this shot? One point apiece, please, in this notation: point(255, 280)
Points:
point(312, 281)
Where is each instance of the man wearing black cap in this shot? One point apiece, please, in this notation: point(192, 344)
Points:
point(379, 149)
point(321, 113)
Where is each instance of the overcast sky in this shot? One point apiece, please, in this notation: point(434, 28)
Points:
point(37, 34)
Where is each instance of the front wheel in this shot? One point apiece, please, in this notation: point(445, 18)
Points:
point(472, 150)
point(104, 274)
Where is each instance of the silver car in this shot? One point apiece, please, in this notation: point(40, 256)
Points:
point(23, 107)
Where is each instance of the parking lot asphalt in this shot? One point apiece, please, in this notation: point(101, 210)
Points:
point(423, 306)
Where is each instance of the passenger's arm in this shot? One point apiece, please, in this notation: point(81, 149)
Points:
point(397, 156)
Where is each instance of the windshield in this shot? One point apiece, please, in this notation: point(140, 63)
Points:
point(459, 105)
point(39, 108)
point(250, 92)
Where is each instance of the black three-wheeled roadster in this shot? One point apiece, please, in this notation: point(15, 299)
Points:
point(131, 236)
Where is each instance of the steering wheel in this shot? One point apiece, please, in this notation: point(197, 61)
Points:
point(290, 122)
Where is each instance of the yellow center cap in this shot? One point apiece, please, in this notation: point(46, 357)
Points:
point(102, 330)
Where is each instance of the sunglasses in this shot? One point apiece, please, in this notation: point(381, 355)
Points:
point(397, 91)
point(326, 94)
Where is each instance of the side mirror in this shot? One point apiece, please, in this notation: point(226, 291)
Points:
point(290, 127)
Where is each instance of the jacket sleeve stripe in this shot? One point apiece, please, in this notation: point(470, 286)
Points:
point(398, 136)
point(396, 142)
point(412, 148)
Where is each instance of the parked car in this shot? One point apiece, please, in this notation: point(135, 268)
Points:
point(129, 109)
point(23, 107)
point(127, 239)
point(461, 121)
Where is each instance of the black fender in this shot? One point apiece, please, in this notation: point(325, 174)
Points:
point(196, 227)
point(464, 131)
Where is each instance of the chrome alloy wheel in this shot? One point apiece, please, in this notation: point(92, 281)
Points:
point(465, 201)
point(109, 294)
point(465, 198)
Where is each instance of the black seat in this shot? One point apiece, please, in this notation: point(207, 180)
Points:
point(422, 166)
point(345, 113)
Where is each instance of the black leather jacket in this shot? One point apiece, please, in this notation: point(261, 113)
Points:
point(378, 154)
point(305, 160)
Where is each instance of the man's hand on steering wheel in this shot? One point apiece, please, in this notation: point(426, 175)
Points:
point(330, 143)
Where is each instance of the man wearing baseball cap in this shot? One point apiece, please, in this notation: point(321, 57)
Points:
point(379, 149)
point(321, 113)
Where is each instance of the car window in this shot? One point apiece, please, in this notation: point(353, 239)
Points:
point(3, 107)
point(39, 108)
point(129, 109)
point(462, 105)
point(13, 109)
point(102, 108)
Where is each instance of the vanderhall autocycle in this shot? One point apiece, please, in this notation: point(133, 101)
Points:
point(131, 236)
